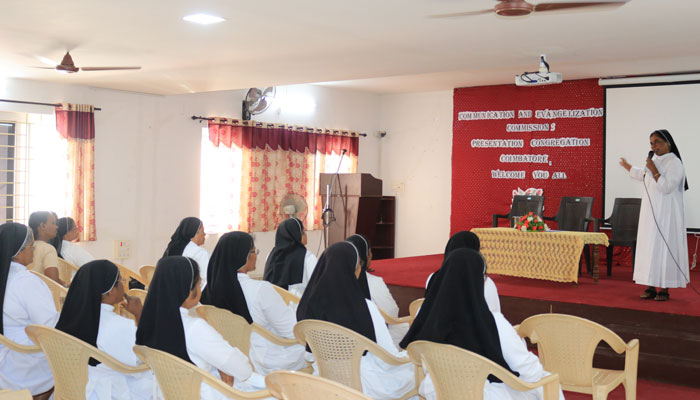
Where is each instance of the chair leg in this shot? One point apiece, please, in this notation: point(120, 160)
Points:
point(630, 385)
point(634, 251)
point(608, 258)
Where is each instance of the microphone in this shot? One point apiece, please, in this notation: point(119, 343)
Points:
point(651, 154)
point(345, 151)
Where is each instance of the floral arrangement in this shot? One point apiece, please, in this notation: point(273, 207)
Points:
point(532, 223)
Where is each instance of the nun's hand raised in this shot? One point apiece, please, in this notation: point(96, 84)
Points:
point(133, 306)
point(625, 164)
point(228, 379)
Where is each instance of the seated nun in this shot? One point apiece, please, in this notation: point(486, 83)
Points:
point(455, 312)
point(25, 299)
point(374, 287)
point(187, 241)
point(469, 240)
point(232, 289)
point(334, 294)
point(88, 314)
point(63, 243)
point(168, 323)
point(290, 265)
point(44, 228)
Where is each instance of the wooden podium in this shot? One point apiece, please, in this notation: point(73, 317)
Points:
point(356, 201)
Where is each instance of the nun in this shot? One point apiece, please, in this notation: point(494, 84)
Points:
point(334, 294)
point(169, 324)
point(455, 312)
point(63, 243)
point(25, 300)
point(88, 314)
point(290, 265)
point(661, 258)
point(187, 241)
point(232, 289)
point(374, 287)
point(469, 240)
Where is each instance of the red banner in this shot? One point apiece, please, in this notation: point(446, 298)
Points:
point(508, 140)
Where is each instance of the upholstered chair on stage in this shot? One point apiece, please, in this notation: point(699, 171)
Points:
point(289, 385)
point(574, 214)
point(460, 374)
point(623, 222)
point(181, 380)
point(521, 206)
point(566, 345)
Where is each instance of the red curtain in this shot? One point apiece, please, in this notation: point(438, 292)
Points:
point(76, 124)
point(251, 135)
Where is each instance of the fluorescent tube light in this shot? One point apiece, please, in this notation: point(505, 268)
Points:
point(203, 19)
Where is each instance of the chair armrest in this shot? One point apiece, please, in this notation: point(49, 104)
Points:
point(231, 392)
point(496, 217)
point(20, 348)
point(520, 385)
point(260, 330)
point(393, 320)
point(384, 355)
point(115, 364)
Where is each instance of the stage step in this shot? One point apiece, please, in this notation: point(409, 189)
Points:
point(656, 340)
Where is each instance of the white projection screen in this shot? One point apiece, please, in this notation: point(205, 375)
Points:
point(631, 114)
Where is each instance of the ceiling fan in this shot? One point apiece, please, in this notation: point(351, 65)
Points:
point(519, 8)
point(68, 66)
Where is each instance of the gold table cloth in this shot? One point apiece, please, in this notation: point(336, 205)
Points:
point(552, 256)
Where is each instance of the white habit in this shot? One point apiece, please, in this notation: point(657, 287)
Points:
point(309, 264)
point(267, 309)
point(211, 352)
point(75, 254)
point(27, 301)
point(201, 255)
point(654, 263)
point(117, 336)
point(381, 296)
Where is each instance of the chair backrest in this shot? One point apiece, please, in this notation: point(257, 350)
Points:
point(146, 273)
point(414, 307)
point(57, 291)
point(337, 350)
point(180, 380)
point(234, 328)
point(525, 204)
point(286, 295)
point(23, 394)
point(292, 385)
point(625, 219)
point(456, 373)
point(566, 344)
point(68, 358)
point(127, 273)
point(573, 212)
point(66, 270)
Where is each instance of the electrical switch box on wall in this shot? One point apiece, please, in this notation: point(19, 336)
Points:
point(122, 249)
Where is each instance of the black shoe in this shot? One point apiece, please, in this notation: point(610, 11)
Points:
point(662, 296)
point(649, 293)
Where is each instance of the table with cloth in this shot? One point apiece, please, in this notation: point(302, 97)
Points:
point(552, 255)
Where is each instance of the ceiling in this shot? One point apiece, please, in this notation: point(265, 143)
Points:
point(385, 46)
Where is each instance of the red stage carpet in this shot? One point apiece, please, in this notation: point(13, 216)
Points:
point(617, 291)
point(646, 390)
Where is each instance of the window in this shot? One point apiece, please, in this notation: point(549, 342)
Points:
point(33, 166)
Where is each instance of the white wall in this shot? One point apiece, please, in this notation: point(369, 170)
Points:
point(147, 154)
point(416, 156)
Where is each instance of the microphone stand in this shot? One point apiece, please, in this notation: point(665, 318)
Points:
point(327, 216)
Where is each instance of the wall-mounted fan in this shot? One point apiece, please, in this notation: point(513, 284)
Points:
point(257, 101)
point(293, 205)
point(68, 66)
point(519, 8)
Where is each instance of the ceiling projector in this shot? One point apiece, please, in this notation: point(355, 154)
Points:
point(541, 77)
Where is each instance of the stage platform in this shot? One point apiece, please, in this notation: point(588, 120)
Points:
point(669, 332)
